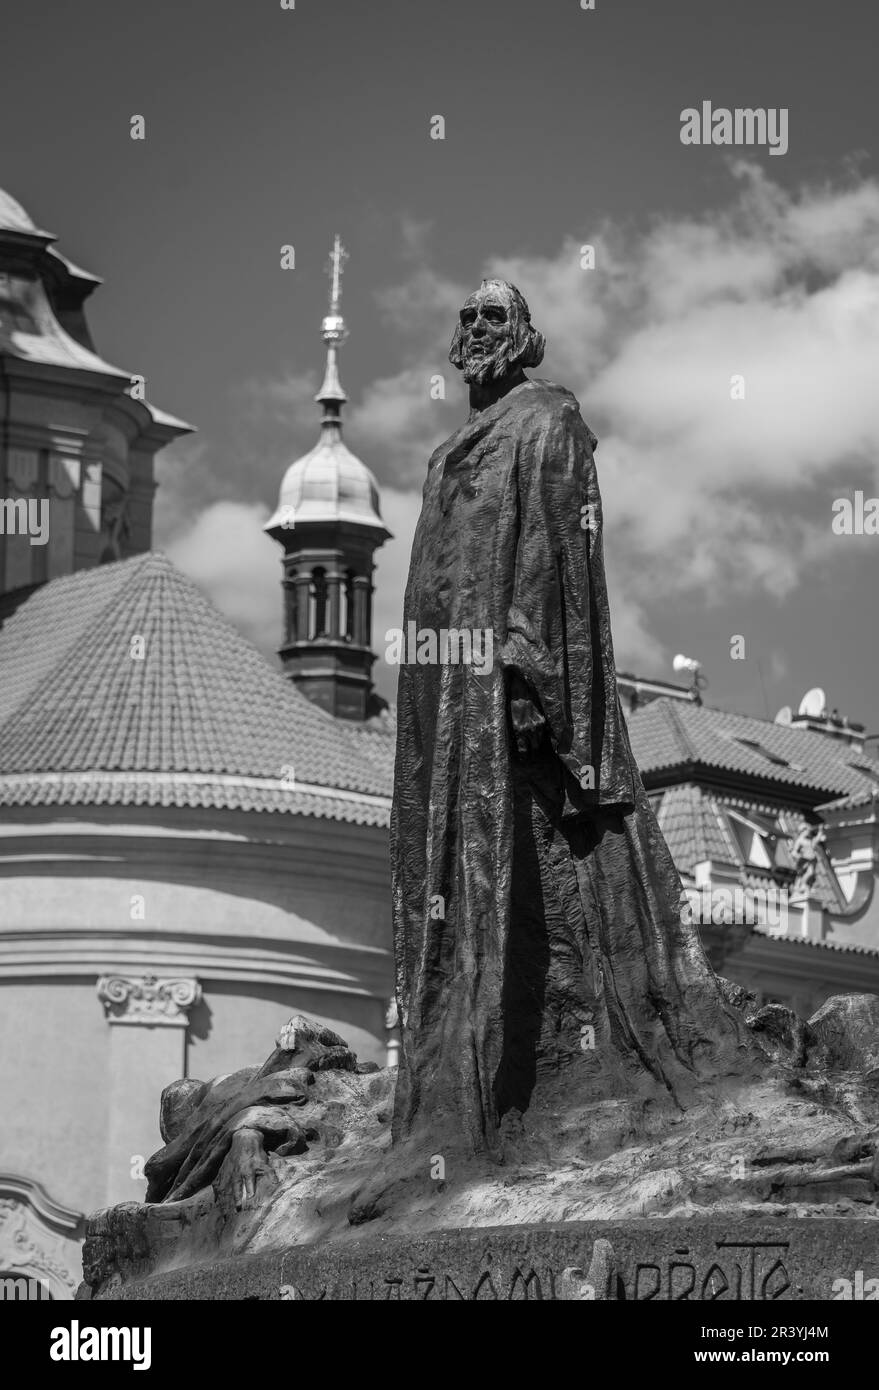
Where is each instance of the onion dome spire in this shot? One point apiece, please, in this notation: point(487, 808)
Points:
point(329, 522)
point(334, 333)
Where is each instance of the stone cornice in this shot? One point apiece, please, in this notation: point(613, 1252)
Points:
point(243, 962)
point(156, 842)
point(813, 963)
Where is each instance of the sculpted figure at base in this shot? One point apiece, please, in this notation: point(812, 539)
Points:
point(537, 909)
point(220, 1132)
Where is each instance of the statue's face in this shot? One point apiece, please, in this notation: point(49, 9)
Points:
point(487, 337)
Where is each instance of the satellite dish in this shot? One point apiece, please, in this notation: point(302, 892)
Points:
point(785, 715)
point(813, 703)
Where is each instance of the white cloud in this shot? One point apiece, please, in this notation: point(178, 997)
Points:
point(227, 553)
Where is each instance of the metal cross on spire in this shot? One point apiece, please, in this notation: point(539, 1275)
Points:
point(334, 334)
point(335, 269)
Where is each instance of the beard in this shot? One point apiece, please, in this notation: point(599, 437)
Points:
point(478, 369)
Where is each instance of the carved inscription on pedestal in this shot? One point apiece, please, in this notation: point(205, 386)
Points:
point(740, 1269)
point(726, 1268)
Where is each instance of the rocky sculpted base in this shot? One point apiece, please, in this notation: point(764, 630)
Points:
point(281, 1182)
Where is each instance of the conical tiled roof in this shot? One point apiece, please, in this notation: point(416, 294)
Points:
point(202, 719)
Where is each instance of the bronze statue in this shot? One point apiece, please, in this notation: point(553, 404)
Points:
point(537, 909)
point(567, 1052)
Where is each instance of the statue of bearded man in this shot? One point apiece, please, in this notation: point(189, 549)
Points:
point(542, 959)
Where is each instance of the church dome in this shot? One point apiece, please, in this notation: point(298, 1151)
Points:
point(329, 484)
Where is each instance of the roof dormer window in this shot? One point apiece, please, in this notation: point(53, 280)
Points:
point(760, 840)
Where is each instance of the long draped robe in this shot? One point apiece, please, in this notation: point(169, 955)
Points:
point(537, 918)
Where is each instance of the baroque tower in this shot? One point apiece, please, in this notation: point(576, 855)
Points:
point(329, 523)
point(77, 436)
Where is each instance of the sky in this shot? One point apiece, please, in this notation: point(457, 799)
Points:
point(724, 346)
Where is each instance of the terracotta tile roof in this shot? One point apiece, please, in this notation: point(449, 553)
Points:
point(202, 719)
point(189, 790)
point(377, 739)
point(693, 830)
point(672, 733)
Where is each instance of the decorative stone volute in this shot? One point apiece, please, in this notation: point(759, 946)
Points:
point(148, 999)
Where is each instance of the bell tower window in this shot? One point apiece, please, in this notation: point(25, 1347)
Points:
point(317, 626)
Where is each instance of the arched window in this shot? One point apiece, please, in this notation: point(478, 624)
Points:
point(291, 603)
point(348, 601)
point(318, 606)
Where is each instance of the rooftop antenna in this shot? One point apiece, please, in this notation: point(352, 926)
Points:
point(694, 669)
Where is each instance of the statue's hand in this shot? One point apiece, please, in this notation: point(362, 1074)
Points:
point(527, 719)
point(244, 1170)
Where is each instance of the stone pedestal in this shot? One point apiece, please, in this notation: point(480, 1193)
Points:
point(703, 1259)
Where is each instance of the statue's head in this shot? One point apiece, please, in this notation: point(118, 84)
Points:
point(494, 336)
